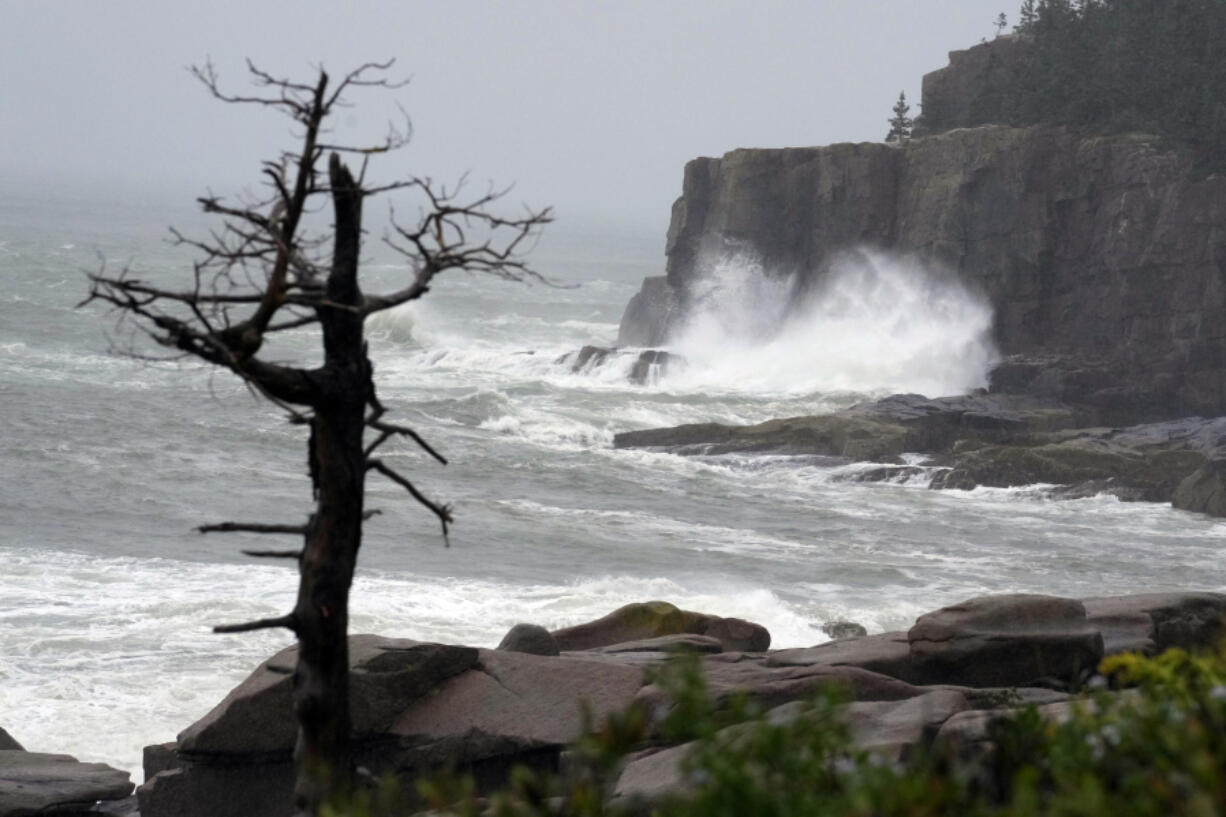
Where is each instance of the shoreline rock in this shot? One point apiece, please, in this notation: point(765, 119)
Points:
point(990, 440)
point(649, 620)
point(1099, 255)
point(645, 368)
point(420, 708)
point(51, 785)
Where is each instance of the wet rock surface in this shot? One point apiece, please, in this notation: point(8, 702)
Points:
point(879, 430)
point(483, 711)
point(650, 311)
point(986, 440)
point(36, 783)
point(1204, 490)
point(1147, 462)
point(640, 366)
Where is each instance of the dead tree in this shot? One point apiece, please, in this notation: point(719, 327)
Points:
point(264, 271)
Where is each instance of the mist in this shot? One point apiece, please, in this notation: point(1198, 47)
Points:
point(876, 323)
point(592, 108)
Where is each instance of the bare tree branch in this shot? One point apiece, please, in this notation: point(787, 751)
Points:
point(438, 242)
point(443, 512)
point(389, 430)
point(266, 267)
point(251, 527)
point(288, 622)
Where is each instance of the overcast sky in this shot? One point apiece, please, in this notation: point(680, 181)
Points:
point(592, 107)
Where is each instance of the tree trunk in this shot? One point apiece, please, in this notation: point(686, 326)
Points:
point(323, 757)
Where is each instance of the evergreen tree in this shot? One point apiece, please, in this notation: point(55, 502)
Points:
point(900, 123)
point(1027, 16)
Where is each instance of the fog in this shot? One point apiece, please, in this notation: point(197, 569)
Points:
point(591, 107)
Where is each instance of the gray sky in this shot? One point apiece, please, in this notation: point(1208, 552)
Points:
point(592, 107)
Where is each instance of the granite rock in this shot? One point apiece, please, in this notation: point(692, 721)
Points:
point(387, 675)
point(36, 783)
point(644, 620)
point(1009, 640)
point(529, 638)
point(1153, 622)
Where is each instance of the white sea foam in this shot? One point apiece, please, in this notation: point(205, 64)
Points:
point(877, 323)
point(101, 656)
point(395, 326)
point(550, 429)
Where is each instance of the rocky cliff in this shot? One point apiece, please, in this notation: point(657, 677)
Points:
point(1104, 258)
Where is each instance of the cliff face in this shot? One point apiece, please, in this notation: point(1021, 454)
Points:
point(1104, 260)
point(974, 88)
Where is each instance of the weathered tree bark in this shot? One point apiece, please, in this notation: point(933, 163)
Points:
point(321, 679)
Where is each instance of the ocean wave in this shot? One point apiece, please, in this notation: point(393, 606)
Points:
point(876, 322)
point(82, 635)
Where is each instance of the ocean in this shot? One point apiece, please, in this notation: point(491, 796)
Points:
point(108, 462)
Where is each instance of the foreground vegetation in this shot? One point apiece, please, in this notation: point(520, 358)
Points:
point(1157, 749)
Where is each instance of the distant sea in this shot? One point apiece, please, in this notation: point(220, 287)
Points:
point(107, 463)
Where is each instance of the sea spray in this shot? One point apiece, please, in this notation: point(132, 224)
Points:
point(875, 323)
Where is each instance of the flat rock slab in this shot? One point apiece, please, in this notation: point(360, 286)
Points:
point(884, 653)
point(1011, 697)
point(1130, 472)
point(652, 775)
point(1009, 640)
point(877, 431)
point(887, 728)
point(972, 727)
point(1153, 622)
point(935, 423)
point(890, 728)
point(34, 783)
point(681, 643)
point(834, 435)
point(653, 658)
point(771, 687)
point(513, 702)
point(386, 676)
